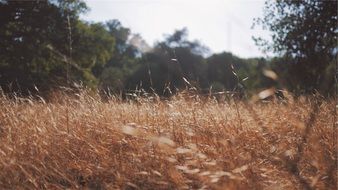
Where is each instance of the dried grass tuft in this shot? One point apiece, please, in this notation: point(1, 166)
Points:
point(180, 143)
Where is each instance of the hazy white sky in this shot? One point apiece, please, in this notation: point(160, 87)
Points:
point(222, 25)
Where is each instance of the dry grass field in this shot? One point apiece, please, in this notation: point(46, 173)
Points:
point(186, 142)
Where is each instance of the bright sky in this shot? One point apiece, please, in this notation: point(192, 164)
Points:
point(221, 25)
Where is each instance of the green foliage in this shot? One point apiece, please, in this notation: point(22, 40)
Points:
point(305, 33)
point(93, 46)
point(37, 38)
point(169, 64)
point(220, 71)
point(23, 52)
point(45, 44)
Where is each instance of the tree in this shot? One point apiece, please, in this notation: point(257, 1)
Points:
point(220, 70)
point(27, 31)
point(123, 61)
point(42, 40)
point(305, 33)
point(23, 51)
point(170, 64)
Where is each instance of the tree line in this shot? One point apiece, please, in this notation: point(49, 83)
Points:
point(44, 44)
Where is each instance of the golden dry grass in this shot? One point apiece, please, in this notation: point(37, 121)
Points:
point(182, 143)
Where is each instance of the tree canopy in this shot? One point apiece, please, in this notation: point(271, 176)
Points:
point(305, 34)
point(45, 44)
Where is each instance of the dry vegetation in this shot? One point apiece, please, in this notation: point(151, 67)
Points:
point(181, 143)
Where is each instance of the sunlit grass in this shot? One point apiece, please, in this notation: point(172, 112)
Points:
point(181, 143)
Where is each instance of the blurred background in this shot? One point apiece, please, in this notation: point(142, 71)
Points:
point(162, 46)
